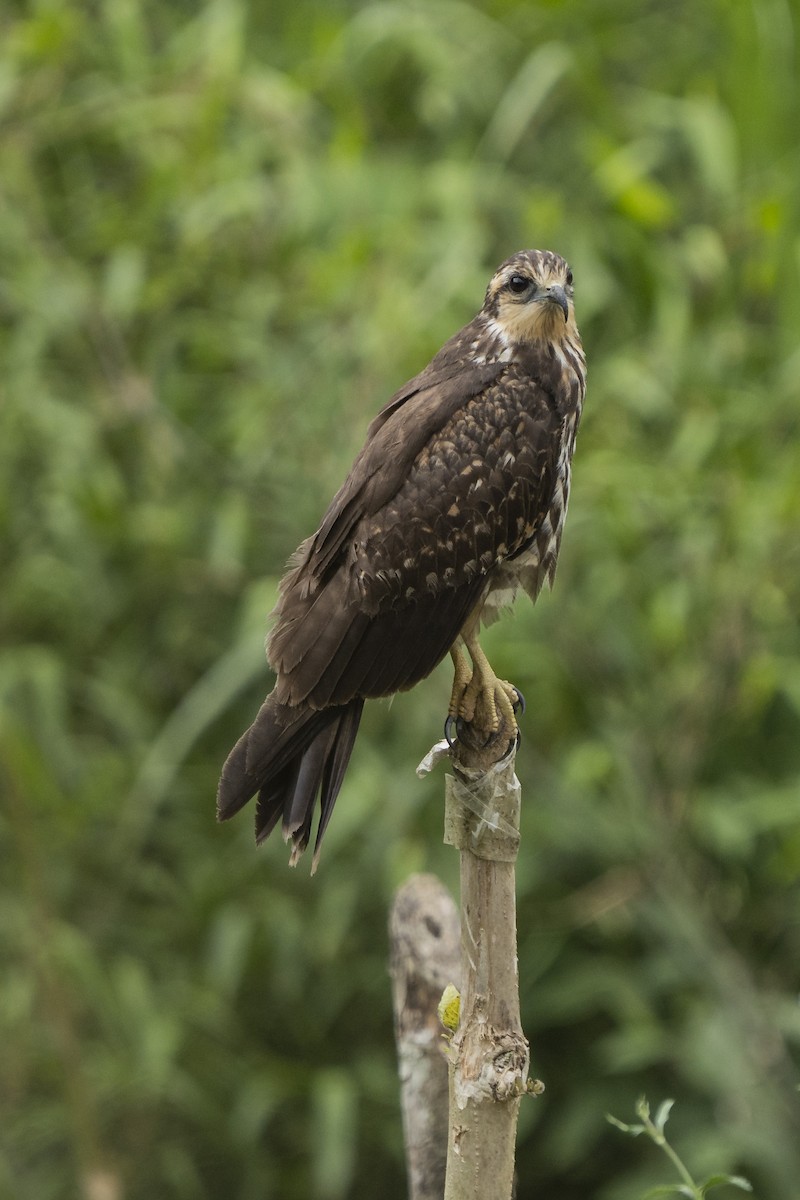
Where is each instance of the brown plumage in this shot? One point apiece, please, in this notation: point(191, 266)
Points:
point(456, 501)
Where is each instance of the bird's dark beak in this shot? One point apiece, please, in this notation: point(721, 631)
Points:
point(555, 294)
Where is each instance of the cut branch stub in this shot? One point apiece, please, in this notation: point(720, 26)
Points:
point(424, 934)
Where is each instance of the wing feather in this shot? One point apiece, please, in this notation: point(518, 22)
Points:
point(394, 439)
point(390, 602)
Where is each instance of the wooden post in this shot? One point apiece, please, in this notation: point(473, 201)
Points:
point(489, 1053)
point(424, 936)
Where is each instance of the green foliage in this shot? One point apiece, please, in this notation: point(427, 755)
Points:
point(654, 1128)
point(228, 232)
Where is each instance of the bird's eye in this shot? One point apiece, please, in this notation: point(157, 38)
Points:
point(518, 284)
point(569, 278)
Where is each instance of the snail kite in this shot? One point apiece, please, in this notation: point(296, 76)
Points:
point(456, 501)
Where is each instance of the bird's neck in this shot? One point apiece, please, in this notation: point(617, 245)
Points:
point(558, 338)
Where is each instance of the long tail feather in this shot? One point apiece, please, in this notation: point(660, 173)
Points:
point(289, 756)
point(335, 767)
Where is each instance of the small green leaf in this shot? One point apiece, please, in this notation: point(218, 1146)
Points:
point(663, 1189)
point(715, 1181)
point(662, 1114)
point(632, 1130)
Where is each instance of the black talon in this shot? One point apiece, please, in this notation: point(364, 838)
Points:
point(520, 705)
point(451, 730)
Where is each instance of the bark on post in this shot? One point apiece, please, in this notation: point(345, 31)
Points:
point(424, 936)
point(489, 1053)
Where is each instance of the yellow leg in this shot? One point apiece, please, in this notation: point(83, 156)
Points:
point(461, 678)
point(480, 691)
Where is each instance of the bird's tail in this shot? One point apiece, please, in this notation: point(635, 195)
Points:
point(289, 755)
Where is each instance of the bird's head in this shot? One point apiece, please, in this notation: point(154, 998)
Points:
point(529, 298)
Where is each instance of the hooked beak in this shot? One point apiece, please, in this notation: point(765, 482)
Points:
point(555, 294)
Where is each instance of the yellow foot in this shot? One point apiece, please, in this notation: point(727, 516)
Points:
point(492, 700)
point(478, 696)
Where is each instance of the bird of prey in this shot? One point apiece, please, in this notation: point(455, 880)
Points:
point(456, 501)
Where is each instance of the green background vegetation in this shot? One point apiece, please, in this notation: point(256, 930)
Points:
point(227, 233)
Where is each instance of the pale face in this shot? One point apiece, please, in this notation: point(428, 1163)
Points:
point(530, 298)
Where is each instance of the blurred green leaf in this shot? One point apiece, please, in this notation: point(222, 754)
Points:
point(633, 1130)
point(715, 1181)
point(662, 1114)
point(668, 1190)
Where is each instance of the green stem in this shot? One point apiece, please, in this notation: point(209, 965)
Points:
point(661, 1141)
